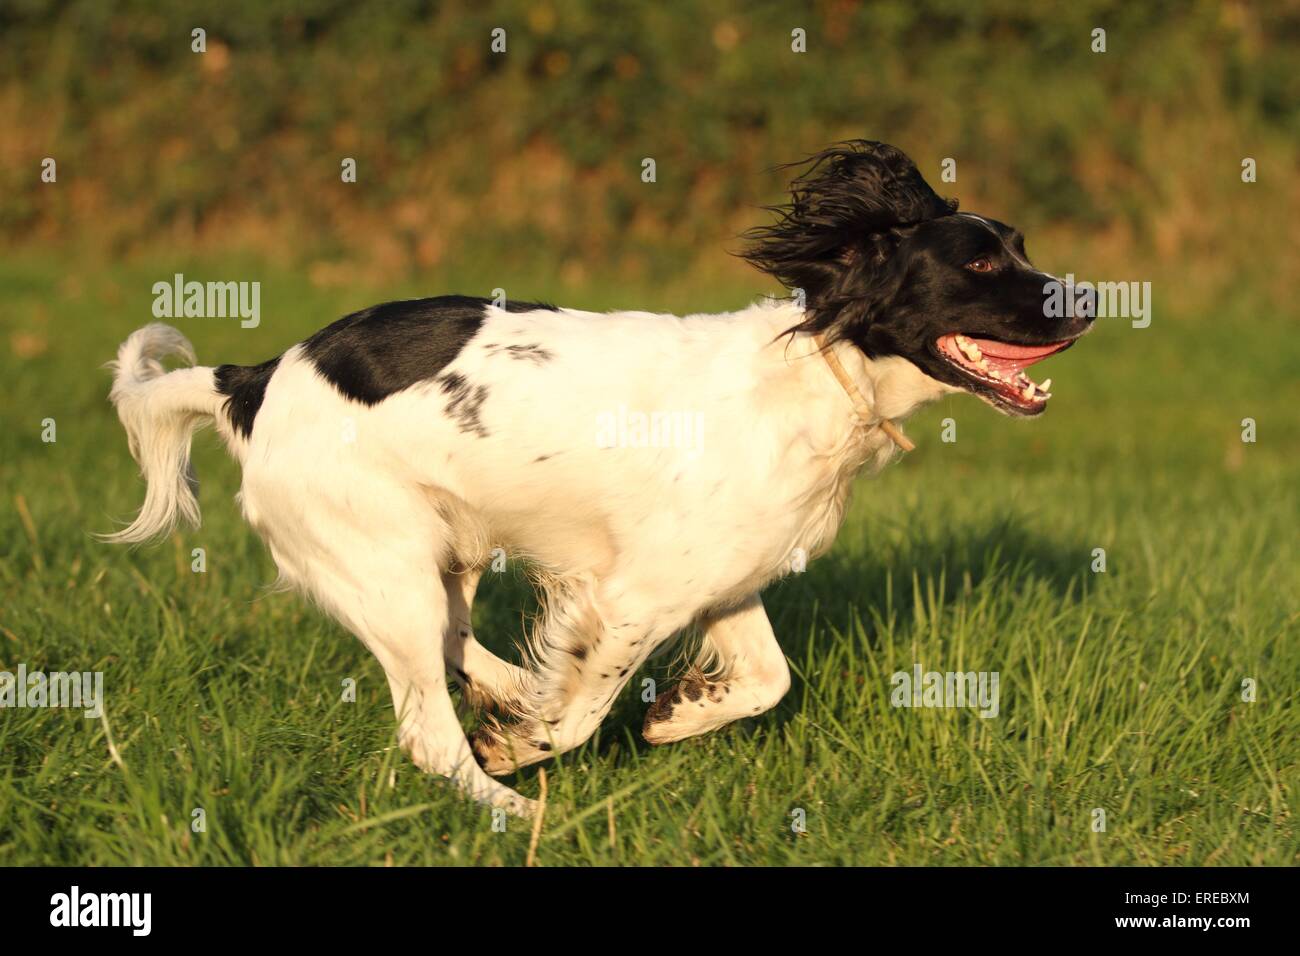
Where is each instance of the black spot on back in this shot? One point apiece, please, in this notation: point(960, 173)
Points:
point(465, 402)
point(245, 387)
point(531, 352)
point(384, 349)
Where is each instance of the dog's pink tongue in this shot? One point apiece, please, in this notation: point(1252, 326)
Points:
point(1018, 354)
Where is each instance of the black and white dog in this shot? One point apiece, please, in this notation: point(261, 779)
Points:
point(387, 456)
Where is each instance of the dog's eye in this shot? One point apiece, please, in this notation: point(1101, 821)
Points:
point(982, 264)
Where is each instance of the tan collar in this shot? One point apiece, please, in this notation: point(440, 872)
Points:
point(861, 410)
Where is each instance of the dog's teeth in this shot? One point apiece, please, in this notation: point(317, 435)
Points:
point(1028, 393)
point(1047, 383)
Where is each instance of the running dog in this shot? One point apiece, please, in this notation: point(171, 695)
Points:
point(388, 455)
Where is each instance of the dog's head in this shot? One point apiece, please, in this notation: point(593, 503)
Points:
point(886, 264)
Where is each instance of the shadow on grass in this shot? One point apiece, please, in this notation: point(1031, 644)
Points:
point(1006, 553)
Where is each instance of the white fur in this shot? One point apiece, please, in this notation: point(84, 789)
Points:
point(160, 413)
point(386, 514)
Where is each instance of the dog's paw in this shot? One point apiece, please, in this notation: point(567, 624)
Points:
point(673, 715)
point(501, 752)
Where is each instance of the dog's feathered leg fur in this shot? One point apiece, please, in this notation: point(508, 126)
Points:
point(741, 672)
point(593, 638)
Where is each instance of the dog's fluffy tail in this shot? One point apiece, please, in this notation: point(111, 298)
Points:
point(160, 411)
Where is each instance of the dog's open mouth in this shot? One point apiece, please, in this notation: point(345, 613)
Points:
point(998, 369)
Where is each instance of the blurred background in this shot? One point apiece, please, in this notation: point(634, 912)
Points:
point(526, 164)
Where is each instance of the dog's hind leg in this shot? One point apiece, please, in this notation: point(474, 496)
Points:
point(387, 589)
point(403, 625)
point(485, 679)
point(742, 672)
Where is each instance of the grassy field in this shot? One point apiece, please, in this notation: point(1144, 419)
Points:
point(1119, 690)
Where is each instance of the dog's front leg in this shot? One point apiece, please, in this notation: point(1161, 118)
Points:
point(742, 672)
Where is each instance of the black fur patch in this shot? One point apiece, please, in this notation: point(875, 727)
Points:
point(662, 708)
point(384, 349)
point(531, 352)
point(245, 387)
point(466, 401)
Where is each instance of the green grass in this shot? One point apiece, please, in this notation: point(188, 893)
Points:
point(1119, 691)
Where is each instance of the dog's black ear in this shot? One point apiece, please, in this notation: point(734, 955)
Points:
point(842, 222)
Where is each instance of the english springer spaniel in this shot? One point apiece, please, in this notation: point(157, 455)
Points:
point(657, 471)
